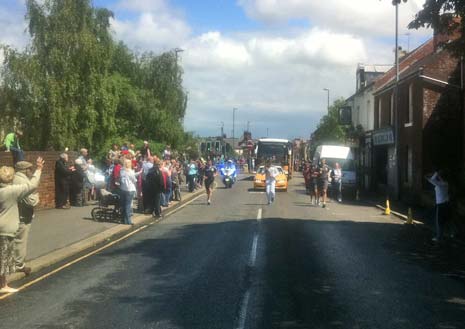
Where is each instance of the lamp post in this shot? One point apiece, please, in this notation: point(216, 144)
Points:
point(396, 105)
point(327, 90)
point(234, 122)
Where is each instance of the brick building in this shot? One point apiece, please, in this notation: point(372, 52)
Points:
point(429, 121)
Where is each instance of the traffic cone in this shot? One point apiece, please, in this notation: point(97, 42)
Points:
point(387, 211)
point(409, 216)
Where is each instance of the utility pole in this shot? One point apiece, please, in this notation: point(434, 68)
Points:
point(234, 122)
point(397, 189)
point(327, 90)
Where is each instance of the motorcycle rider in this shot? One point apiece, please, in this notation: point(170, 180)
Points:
point(210, 174)
point(229, 168)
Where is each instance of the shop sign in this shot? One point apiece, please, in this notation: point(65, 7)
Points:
point(383, 137)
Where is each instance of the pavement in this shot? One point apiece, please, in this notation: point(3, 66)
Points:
point(57, 234)
point(424, 216)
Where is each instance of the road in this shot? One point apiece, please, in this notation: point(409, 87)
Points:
point(240, 263)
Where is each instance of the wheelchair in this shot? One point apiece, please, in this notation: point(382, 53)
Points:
point(109, 208)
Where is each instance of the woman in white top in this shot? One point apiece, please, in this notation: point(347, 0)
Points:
point(128, 190)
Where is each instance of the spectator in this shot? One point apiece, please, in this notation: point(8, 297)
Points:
point(9, 217)
point(125, 146)
point(77, 184)
point(26, 214)
point(115, 176)
point(84, 155)
point(191, 174)
point(114, 152)
point(200, 171)
point(145, 150)
point(155, 183)
point(441, 189)
point(62, 181)
point(132, 149)
point(165, 172)
point(167, 153)
point(147, 194)
point(176, 179)
point(11, 142)
point(128, 190)
point(90, 181)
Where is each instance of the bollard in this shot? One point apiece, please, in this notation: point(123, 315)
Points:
point(387, 211)
point(409, 216)
point(357, 195)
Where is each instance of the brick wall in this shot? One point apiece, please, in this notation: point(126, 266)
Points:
point(47, 182)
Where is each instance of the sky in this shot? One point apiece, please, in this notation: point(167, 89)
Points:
point(269, 59)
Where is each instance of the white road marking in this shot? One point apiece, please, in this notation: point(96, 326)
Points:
point(243, 313)
point(253, 252)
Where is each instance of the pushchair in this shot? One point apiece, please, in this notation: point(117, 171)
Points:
point(109, 208)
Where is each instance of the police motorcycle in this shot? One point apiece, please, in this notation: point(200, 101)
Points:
point(229, 174)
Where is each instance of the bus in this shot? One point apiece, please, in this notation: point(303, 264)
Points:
point(278, 151)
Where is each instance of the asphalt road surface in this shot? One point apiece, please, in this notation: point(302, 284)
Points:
point(240, 263)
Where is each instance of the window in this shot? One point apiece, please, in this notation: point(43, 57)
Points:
point(380, 113)
point(391, 121)
point(408, 174)
point(409, 119)
point(369, 115)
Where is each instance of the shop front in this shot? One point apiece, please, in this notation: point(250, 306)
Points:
point(383, 173)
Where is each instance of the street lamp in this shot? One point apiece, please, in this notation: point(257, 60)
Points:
point(176, 52)
point(234, 121)
point(327, 90)
point(396, 103)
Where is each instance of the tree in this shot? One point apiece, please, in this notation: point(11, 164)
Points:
point(74, 86)
point(331, 131)
point(444, 16)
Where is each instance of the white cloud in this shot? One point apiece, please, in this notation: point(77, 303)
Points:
point(155, 26)
point(371, 17)
point(270, 79)
point(275, 77)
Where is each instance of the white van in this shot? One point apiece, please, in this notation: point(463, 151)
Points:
point(342, 155)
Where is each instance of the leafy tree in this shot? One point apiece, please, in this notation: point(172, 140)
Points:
point(330, 131)
point(444, 16)
point(74, 86)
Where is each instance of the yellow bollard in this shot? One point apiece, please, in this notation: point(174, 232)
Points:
point(387, 211)
point(409, 216)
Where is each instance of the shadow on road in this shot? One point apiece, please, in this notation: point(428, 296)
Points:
point(314, 274)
